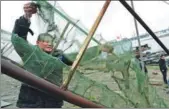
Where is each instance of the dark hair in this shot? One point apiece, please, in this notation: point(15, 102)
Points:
point(35, 4)
point(161, 55)
point(42, 36)
point(137, 56)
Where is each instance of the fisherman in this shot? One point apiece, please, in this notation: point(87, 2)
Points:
point(30, 97)
point(163, 68)
point(140, 65)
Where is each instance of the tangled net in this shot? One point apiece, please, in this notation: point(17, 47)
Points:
point(109, 73)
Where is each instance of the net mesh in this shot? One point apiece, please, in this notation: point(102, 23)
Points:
point(126, 85)
point(110, 79)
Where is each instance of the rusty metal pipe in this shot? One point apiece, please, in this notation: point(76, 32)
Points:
point(24, 76)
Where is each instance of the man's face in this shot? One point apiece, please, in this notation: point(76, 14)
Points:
point(162, 57)
point(46, 45)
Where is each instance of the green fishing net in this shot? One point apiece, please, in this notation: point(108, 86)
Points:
point(111, 79)
point(126, 84)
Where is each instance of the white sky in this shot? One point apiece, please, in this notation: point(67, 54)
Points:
point(117, 20)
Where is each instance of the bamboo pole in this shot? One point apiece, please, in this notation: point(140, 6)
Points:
point(72, 22)
point(85, 44)
point(61, 36)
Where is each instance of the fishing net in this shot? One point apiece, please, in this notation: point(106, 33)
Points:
point(111, 79)
point(126, 84)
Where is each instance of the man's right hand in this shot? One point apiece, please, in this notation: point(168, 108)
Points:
point(29, 9)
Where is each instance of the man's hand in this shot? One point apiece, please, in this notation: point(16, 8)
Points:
point(57, 52)
point(29, 9)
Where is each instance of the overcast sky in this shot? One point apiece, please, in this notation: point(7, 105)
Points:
point(117, 20)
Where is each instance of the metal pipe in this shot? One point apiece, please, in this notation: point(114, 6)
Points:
point(123, 2)
point(24, 76)
point(139, 42)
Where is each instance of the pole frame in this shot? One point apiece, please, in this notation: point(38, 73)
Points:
point(136, 16)
point(139, 42)
point(85, 44)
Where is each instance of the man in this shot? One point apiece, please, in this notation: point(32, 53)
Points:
point(163, 68)
point(30, 97)
point(145, 68)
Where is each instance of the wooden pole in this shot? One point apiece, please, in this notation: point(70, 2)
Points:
point(71, 21)
point(61, 37)
point(85, 44)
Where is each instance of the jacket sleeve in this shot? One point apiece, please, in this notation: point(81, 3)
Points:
point(21, 46)
point(162, 65)
point(21, 27)
point(16, 27)
point(58, 53)
point(66, 60)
